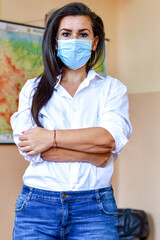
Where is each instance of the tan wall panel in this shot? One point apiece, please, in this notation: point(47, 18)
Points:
point(139, 164)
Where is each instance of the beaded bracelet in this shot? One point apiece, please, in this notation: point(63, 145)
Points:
point(54, 141)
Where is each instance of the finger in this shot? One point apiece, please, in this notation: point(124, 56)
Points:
point(25, 149)
point(23, 144)
point(31, 153)
point(22, 137)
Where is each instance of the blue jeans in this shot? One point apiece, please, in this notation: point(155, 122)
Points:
point(82, 215)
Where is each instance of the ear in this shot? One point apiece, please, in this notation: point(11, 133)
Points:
point(95, 43)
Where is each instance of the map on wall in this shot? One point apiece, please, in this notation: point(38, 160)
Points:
point(20, 59)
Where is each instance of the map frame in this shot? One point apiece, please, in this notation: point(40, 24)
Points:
point(6, 138)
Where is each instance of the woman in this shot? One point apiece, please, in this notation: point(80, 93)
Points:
point(71, 124)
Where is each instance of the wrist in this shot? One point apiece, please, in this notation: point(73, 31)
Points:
point(50, 138)
point(54, 139)
point(58, 138)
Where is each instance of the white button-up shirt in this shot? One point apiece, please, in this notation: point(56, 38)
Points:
point(98, 102)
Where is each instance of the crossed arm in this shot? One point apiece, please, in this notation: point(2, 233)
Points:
point(92, 145)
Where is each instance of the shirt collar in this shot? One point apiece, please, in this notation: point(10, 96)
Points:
point(59, 79)
point(90, 76)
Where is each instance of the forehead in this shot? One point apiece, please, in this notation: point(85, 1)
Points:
point(75, 22)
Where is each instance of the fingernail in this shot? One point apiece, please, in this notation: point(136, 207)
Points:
point(23, 132)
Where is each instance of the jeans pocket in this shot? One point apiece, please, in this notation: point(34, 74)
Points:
point(107, 205)
point(20, 203)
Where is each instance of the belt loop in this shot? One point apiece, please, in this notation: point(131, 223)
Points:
point(97, 196)
point(29, 195)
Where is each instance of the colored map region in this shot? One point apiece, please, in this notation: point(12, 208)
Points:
point(20, 59)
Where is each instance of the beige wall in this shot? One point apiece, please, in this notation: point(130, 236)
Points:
point(133, 57)
point(138, 48)
point(138, 166)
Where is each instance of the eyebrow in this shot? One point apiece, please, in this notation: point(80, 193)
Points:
point(69, 30)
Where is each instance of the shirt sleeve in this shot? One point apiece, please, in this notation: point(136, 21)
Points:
point(115, 114)
point(22, 119)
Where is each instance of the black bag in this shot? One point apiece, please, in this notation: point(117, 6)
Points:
point(132, 224)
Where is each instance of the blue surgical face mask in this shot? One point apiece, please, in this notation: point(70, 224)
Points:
point(74, 53)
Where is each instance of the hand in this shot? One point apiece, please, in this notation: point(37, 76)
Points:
point(100, 159)
point(35, 140)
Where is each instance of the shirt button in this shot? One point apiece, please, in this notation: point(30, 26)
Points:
point(64, 196)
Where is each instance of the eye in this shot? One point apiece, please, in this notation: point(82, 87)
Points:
point(83, 35)
point(66, 34)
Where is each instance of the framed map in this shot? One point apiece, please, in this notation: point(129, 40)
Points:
point(20, 59)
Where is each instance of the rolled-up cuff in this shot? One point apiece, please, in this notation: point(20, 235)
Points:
point(36, 158)
point(119, 137)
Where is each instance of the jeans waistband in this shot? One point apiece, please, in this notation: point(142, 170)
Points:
point(71, 195)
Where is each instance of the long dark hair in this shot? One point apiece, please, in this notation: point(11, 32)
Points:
point(52, 64)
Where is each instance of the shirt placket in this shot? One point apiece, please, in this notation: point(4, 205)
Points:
point(74, 167)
